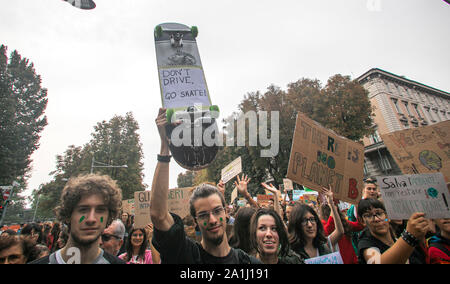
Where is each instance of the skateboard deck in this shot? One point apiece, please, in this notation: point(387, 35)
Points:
point(185, 95)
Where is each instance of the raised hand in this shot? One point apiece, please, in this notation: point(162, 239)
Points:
point(241, 185)
point(270, 188)
point(221, 187)
point(161, 122)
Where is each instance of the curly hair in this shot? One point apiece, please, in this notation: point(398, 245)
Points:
point(87, 185)
point(27, 243)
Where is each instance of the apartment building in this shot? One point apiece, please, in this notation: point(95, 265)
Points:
point(400, 103)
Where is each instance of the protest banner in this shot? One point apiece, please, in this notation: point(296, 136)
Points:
point(231, 170)
point(296, 194)
point(332, 258)
point(128, 206)
point(234, 194)
point(404, 195)
point(310, 198)
point(319, 157)
point(421, 150)
point(142, 209)
point(263, 199)
point(178, 201)
point(288, 184)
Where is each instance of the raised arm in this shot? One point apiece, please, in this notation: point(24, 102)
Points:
point(276, 202)
point(399, 253)
point(159, 211)
point(241, 186)
point(338, 232)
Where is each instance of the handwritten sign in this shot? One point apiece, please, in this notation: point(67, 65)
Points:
point(142, 209)
point(178, 201)
point(320, 157)
point(421, 150)
point(288, 185)
point(128, 206)
point(404, 195)
point(231, 170)
point(332, 258)
point(264, 199)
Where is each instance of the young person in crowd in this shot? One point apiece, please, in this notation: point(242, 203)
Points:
point(15, 249)
point(241, 230)
point(62, 238)
point(439, 245)
point(39, 251)
point(207, 206)
point(88, 205)
point(378, 245)
point(137, 252)
point(344, 245)
point(269, 238)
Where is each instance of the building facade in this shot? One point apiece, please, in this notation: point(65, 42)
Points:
point(399, 103)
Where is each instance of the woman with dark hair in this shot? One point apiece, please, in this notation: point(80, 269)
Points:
point(34, 231)
point(377, 243)
point(63, 236)
point(268, 237)
point(137, 252)
point(306, 233)
point(241, 230)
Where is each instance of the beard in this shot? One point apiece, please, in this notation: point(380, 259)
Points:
point(83, 243)
point(214, 240)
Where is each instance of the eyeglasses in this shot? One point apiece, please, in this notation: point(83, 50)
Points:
point(107, 237)
point(204, 216)
point(379, 214)
point(312, 220)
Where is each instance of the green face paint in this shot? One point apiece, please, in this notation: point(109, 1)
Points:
point(204, 224)
point(221, 219)
point(101, 219)
point(82, 218)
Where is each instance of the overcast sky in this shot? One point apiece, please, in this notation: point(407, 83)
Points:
point(100, 63)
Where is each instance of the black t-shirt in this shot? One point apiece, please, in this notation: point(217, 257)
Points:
point(176, 248)
point(366, 240)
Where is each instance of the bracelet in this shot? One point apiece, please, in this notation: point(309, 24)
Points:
point(409, 238)
point(164, 159)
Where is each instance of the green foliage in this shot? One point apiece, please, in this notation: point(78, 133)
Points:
point(186, 179)
point(22, 105)
point(114, 142)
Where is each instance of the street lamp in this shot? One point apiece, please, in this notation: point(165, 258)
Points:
point(95, 164)
point(82, 4)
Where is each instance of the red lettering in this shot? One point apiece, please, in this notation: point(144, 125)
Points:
point(352, 190)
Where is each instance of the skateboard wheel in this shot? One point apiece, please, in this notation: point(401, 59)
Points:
point(214, 111)
point(158, 31)
point(194, 31)
point(169, 114)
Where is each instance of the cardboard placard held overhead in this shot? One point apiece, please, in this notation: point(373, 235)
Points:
point(231, 170)
point(178, 201)
point(407, 194)
point(128, 206)
point(264, 199)
point(142, 209)
point(288, 184)
point(421, 150)
point(320, 157)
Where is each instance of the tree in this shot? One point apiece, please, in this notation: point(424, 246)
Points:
point(114, 142)
point(22, 105)
point(342, 106)
point(186, 179)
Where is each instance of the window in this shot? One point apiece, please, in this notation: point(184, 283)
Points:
point(444, 117)
point(395, 101)
point(437, 114)
point(375, 137)
point(416, 108)
point(406, 106)
point(384, 163)
point(428, 114)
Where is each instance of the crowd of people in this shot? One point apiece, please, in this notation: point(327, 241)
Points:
point(92, 229)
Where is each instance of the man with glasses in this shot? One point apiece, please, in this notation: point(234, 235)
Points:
point(112, 237)
point(377, 244)
point(207, 206)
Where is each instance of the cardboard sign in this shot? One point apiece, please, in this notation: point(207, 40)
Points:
point(320, 157)
point(421, 150)
point(263, 199)
point(128, 206)
point(332, 258)
point(296, 194)
point(142, 209)
point(232, 170)
point(288, 184)
point(178, 201)
point(404, 195)
point(234, 194)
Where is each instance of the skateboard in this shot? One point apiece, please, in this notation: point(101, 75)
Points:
point(185, 95)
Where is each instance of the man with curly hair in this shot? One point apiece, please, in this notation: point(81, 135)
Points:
point(88, 205)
